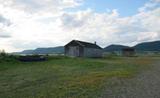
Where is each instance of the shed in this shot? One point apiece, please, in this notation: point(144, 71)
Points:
point(77, 48)
point(128, 51)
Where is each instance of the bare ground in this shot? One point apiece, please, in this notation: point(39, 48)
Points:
point(145, 85)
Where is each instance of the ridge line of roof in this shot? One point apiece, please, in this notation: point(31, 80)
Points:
point(79, 42)
point(82, 43)
point(85, 44)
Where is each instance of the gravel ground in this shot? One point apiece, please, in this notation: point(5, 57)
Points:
point(145, 85)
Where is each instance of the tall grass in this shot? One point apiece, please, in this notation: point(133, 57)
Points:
point(64, 77)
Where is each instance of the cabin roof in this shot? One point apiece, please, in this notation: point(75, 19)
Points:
point(85, 44)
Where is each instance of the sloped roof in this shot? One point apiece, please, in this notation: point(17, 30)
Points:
point(86, 44)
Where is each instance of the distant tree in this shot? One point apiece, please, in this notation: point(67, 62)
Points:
point(3, 53)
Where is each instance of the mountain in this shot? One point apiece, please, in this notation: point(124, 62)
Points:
point(52, 50)
point(49, 50)
point(27, 51)
point(113, 48)
point(148, 46)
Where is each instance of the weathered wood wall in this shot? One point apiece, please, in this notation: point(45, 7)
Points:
point(91, 52)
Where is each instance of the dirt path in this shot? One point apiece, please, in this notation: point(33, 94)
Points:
point(145, 85)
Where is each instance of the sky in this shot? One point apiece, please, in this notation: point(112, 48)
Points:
point(29, 24)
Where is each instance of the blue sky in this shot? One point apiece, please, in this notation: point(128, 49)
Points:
point(50, 23)
point(124, 7)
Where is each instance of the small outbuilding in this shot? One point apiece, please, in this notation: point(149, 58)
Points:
point(128, 51)
point(77, 48)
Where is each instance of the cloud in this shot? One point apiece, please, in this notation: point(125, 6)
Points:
point(108, 28)
point(4, 34)
point(4, 21)
point(33, 6)
point(156, 1)
point(46, 23)
point(145, 36)
point(152, 4)
point(75, 20)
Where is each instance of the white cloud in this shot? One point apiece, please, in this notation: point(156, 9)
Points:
point(147, 36)
point(150, 5)
point(34, 6)
point(156, 1)
point(108, 28)
point(4, 23)
point(33, 21)
point(45, 23)
point(4, 34)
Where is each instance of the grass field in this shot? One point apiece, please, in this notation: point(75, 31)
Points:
point(62, 77)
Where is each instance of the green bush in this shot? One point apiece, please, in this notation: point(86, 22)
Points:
point(2, 53)
point(5, 57)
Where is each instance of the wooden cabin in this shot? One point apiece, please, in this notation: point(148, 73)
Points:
point(77, 48)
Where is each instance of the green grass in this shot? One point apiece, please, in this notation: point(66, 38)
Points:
point(62, 77)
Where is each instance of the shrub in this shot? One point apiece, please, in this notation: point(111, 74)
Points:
point(5, 57)
point(3, 53)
